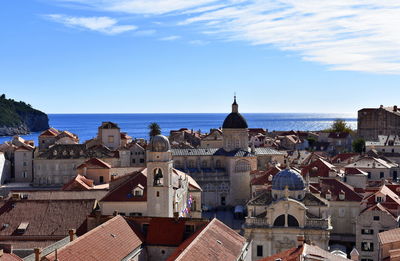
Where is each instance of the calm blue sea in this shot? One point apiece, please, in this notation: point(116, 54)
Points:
point(85, 125)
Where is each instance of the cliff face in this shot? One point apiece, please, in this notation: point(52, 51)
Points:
point(20, 118)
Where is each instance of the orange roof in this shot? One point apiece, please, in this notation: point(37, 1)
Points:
point(389, 236)
point(78, 183)
point(292, 254)
point(165, 232)
point(113, 240)
point(215, 242)
point(10, 257)
point(50, 132)
point(95, 163)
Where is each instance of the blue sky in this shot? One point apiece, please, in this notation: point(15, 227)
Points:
point(126, 56)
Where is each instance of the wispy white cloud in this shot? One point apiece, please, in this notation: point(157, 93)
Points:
point(101, 24)
point(170, 38)
point(354, 35)
point(140, 6)
point(199, 42)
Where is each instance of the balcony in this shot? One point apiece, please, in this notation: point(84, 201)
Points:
point(311, 223)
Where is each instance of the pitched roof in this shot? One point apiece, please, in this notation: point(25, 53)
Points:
point(336, 187)
point(124, 191)
point(264, 176)
point(165, 232)
point(108, 125)
point(343, 157)
point(322, 168)
point(312, 252)
point(215, 242)
point(10, 257)
point(50, 132)
point(75, 151)
point(95, 163)
point(45, 217)
point(112, 240)
point(389, 236)
point(79, 183)
point(60, 194)
point(354, 171)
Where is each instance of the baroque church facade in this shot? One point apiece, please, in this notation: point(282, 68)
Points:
point(277, 218)
point(224, 173)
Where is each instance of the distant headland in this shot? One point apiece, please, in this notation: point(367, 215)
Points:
point(18, 117)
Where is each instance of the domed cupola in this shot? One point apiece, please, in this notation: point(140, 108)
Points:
point(159, 143)
point(234, 120)
point(290, 178)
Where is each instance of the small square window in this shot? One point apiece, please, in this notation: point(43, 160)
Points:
point(376, 218)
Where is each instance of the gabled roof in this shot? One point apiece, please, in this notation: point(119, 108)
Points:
point(306, 250)
point(50, 132)
point(79, 183)
point(192, 182)
point(95, 163)
point(124, 191)
point(344, 156)
point(355, 171)
point(336, 187)
point(10, 257)
point(165, 232)
point(45, 217)
point(389, 236)
point(322, 168)
point(108, 125)
point(112, 240)
point(264, 176)
point(215, 242)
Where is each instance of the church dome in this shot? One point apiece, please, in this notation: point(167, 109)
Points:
point(234, 120)
point(159, 143)
point(290, 178)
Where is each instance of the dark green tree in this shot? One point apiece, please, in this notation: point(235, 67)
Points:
point(358, 145)
point(154, 129)
point(339, 125)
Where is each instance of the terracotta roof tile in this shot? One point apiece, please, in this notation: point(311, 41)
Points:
point(95, 163)
point(165, 232)
point(389, 236)
point(112, 240)
point(124, 191)
point(45, 217)
point(215, 242)
point(10, 257)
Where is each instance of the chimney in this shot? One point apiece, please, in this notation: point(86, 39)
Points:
point(71, 233)
point(37, 251)
point(395, 108)
point(300, 240)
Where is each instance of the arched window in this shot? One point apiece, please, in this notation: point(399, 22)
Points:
point(292, 221)
point(158, 177)
point(279, 221)
point(242, 166)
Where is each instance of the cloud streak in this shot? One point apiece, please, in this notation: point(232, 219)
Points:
point(170, 38)
point(350, 35)
point(102, 24)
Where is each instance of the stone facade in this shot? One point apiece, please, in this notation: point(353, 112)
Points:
point(378, 121)
point(277, 217)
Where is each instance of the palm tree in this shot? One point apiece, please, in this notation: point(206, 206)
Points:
point(154, 129)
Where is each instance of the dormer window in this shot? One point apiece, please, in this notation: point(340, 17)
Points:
point(328, 195)
point(55, 152)
point(138, 191)
point(379, 199)
point(342, 195)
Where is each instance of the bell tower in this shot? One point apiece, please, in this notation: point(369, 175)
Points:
point(160, 193)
